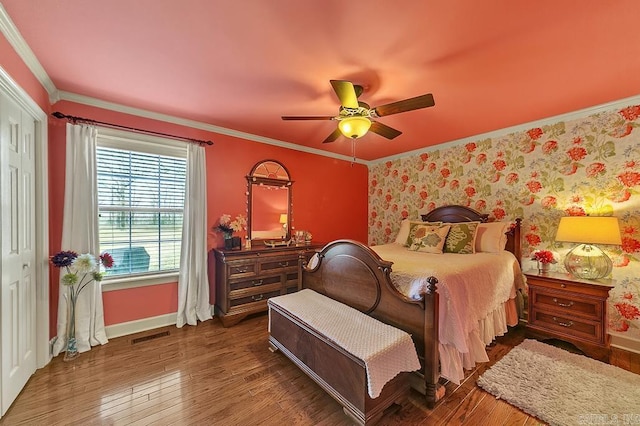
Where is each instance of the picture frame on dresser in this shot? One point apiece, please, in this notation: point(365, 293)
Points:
point(570, 309)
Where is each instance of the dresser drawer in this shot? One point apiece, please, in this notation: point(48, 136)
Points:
point(279, 264)
point(291, 279)
point(566, 303)
point(252, 283)
point(259, 297)
point(239, 269)
point(567, 324)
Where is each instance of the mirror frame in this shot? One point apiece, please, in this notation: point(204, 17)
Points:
point(253, 179)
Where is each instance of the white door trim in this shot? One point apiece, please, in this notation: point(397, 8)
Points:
point(18, 95)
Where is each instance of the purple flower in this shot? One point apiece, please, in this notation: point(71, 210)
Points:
point(63, 258)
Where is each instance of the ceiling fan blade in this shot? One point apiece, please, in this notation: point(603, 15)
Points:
point(384, 130)
point(333, 136)
point(308, 117)
point(410, 104)
point(346, 93)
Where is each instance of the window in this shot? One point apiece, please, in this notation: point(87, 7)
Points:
point(141, 189)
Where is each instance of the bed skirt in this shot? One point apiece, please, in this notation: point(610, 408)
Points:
point(453, 363)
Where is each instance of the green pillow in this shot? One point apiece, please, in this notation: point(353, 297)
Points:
point(461, 238)
point(428, 238)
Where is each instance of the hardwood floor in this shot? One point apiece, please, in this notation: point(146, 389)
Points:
point(227, 376)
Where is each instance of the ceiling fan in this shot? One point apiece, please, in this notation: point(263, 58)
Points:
point(355, 118)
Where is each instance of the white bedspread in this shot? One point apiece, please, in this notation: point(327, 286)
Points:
point(385, 350)
point(473, 289)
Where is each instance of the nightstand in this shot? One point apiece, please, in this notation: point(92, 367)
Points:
point(570, 309)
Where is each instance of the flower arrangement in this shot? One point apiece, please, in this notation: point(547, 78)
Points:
point(85, 264)
point(81, 270)
point(228, 226)
point(544, 256)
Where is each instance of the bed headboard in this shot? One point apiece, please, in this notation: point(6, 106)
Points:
point(455, 213)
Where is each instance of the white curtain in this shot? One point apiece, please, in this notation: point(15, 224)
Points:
point(193, 284)
point(80, 234)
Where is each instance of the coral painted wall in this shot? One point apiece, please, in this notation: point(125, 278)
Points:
point(20, 73)
point(329, 199)
point(588, 165)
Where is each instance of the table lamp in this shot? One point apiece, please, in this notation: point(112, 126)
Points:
point(587, 260)
point(283, 221)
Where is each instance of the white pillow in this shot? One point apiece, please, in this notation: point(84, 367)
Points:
point(403, 233)
point(491, 238)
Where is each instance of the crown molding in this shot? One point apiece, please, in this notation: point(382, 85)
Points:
point(13, 36)
point(621, 103)
point(87, 100)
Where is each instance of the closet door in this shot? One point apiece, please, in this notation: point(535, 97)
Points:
point(18, 296)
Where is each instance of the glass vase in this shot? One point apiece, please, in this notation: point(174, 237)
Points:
point(71, 349)
point(228, 241)
point(544, 268)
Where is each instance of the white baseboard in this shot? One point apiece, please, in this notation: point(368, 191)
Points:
point(131, 327)
point(622, 341)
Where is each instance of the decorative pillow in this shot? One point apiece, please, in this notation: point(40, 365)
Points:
point(428, 238)
point(403, 233)
point(462, 238)
point(491, 237)
point(412, 224)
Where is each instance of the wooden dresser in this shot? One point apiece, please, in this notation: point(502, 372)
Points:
point(246, 278)
point(570, 309)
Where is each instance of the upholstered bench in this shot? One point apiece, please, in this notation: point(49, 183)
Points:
point(361, 362)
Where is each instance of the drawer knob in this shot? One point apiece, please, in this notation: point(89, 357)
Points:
point(257, 283)
point(564, 324)
point(257, 298)
point(564, 305)
point(563, 285)
point(242, 270)
point(284, 264)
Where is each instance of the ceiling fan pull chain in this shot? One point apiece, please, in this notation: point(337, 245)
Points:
point(353, 151)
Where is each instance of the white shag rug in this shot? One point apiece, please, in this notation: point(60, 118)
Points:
point(562, 388)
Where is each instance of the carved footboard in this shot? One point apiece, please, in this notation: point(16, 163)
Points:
point(353, 274)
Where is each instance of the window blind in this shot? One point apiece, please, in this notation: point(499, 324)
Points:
point(141, 204)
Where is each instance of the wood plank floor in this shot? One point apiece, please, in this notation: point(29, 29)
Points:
point(227, 376)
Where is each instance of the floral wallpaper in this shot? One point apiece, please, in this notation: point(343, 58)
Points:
point(586, 166)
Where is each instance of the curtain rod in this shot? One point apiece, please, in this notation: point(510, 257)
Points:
point(75, 120)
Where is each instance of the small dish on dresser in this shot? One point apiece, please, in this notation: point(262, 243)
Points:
point(276, 243)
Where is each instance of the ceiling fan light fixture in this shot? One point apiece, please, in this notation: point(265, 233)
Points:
point(354, 127)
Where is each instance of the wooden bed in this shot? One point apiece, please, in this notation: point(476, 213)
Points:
point(353, 274)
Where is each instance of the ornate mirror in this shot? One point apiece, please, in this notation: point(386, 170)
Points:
point(269, 202)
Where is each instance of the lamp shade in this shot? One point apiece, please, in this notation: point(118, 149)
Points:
point(354, 127)
point(589, 230)
point(586, 260)
point(283, 218)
